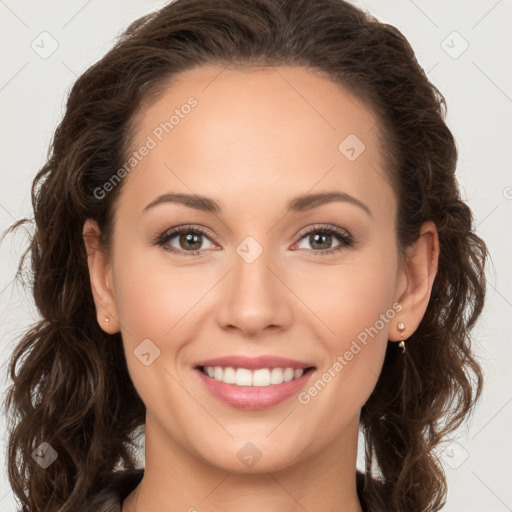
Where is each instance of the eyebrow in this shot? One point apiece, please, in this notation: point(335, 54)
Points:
point(296, 204)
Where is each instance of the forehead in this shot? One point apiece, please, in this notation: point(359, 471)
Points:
point(257, 133)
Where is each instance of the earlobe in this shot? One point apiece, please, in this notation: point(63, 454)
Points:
point(100, 275)
point(420, 269)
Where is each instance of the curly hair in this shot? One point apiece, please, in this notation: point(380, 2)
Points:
point(71, 387)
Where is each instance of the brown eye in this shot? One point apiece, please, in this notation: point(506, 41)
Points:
point(190, 240)
point(187, 240)
point(321, 239)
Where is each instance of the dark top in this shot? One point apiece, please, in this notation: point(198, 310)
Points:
point(110, 499)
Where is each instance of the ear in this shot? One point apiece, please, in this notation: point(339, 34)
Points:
point(100, 274)
point(415, 281)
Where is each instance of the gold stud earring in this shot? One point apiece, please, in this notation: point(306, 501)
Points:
point(401, 327)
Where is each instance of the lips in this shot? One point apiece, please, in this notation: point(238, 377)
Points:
point(288, 376)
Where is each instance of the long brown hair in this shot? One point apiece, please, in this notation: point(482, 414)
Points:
point(71, 387)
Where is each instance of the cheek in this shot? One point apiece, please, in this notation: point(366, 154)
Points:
point(355, 304)
point(149, 308)
point(350, 296)
point(151, 297)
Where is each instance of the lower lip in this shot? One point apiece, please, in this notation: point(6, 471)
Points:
point(254, 397)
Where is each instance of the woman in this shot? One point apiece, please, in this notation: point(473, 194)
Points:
point(250, 241)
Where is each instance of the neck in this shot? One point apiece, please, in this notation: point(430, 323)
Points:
point(324, 481)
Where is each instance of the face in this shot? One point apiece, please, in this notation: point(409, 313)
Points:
point(255, 272)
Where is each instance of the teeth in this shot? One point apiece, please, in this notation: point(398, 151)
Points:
point(256, 378)
point(243, 377)
point(260, 377)
point(288, 374)
point(276, 376)
point(228, 376)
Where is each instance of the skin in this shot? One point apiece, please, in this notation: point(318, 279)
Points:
point(257, 138)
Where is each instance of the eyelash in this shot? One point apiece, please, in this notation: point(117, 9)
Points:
point(342, 235)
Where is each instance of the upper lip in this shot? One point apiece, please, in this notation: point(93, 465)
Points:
point(254, 363)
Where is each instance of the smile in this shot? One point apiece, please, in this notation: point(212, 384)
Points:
point(253, 382)
point(257, 378)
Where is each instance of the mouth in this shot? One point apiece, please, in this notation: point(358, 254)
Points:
point(253, 383)
point(260, 377)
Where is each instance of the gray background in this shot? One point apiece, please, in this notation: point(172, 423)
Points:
point(476, 82)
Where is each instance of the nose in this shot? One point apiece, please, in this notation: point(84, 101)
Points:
point(253, 296)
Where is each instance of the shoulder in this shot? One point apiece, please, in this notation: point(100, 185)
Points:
point(111, 497)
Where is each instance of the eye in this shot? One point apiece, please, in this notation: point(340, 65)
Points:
point(189, 238)
point(320, 239)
